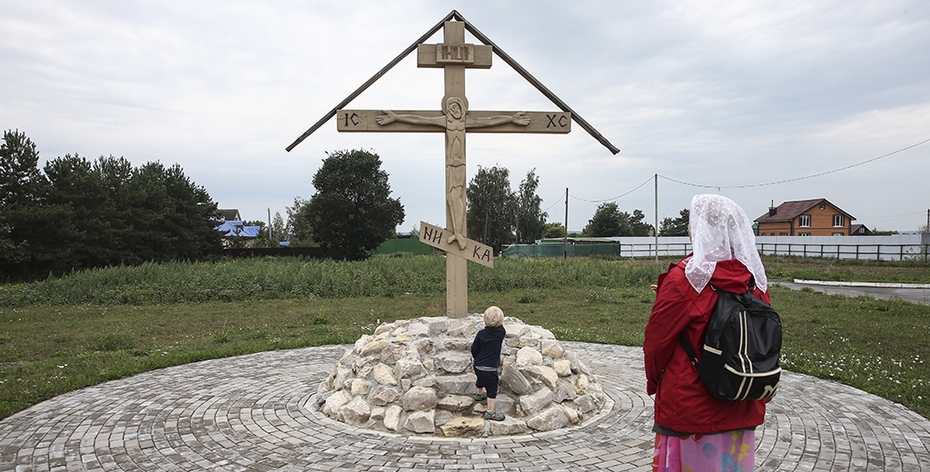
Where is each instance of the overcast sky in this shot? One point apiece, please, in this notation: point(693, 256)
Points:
point(759, 101)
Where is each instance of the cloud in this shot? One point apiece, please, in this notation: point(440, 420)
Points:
point(712, 93)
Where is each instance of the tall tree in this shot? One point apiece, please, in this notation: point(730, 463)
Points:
point(607, 221)
point(193, 215)
point(278, 228)
point(174, 218)
point(491, 207)
point(78, 202)
point(21, 190)
point(676, 226)
point(554, 230)
point(19, 172)
point(116, 215)
point(531, 220)
point(298, 223)
point(352, 210)
point(637, 226)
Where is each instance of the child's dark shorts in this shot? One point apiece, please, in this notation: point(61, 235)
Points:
point(487, 379)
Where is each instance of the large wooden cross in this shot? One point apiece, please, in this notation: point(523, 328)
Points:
point(454, 56)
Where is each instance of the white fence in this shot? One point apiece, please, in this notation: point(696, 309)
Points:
point(883, 248)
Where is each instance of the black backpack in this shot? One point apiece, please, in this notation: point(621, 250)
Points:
point(741, 348)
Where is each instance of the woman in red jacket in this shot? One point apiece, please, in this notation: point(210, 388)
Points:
point(695, 431)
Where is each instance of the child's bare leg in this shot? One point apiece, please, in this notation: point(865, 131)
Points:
point(490, 404)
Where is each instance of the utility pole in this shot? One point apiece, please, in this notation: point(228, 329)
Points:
point(565, 238)
point(656, 228)
point(516, 225)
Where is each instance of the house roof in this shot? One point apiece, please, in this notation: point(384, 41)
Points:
point(229, 214)
point(859, 229)
point(238, 229)
point(788, 211)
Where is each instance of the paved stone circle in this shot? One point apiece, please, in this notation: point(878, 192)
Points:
point(248, 413)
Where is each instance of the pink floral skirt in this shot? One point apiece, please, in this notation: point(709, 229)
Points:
point(733, 451)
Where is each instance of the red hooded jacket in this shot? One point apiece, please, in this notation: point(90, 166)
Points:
point(682, 402)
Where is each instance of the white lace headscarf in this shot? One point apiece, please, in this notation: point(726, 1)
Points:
point(720, 230)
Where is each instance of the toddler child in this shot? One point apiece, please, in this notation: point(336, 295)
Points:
point(486, 349)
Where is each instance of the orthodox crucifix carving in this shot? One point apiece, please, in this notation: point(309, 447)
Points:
point(454, 56)
point(454, 119)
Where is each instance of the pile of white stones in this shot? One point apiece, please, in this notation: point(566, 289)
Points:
point(416, 377)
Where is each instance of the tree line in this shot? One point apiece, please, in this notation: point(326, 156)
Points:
point(610, 221)
point(75, 213)
point(352, 212)
point(499, 216)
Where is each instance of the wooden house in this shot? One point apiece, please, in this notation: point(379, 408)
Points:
point(816, 217)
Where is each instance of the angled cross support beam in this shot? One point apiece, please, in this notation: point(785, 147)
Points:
point(372, 80)
point(536, 83)
point(487, 41)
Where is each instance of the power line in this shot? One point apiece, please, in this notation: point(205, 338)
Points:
point(749, 185)
point(897, 217)
point(718, 187)
point(614, 198)
point(554, 204)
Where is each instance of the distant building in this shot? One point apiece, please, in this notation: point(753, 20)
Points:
point(859, 230)
point(230, 215)
point(235, 231)
point(816, 217)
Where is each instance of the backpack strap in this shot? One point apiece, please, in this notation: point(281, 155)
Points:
point(684, 341)
point(685, 344)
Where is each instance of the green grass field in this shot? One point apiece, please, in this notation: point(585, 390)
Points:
point(63, 334)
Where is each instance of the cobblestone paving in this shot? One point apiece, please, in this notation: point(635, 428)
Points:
point(247, 414)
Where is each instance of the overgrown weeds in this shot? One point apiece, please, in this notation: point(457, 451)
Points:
point(289, 278)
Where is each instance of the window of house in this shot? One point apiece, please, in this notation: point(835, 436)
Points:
point(838, 234)
point(804, 234)
point(804, 221)
point(838, 220)
point(783, 234)
point(822, 206)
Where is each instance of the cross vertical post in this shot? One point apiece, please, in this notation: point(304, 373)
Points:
point(456, 267)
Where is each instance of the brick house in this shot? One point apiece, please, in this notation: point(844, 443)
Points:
point(816, 217)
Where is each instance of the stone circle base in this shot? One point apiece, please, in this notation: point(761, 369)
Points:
point(416, 377)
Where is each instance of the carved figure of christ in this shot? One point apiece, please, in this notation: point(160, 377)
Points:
point(455, 120)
